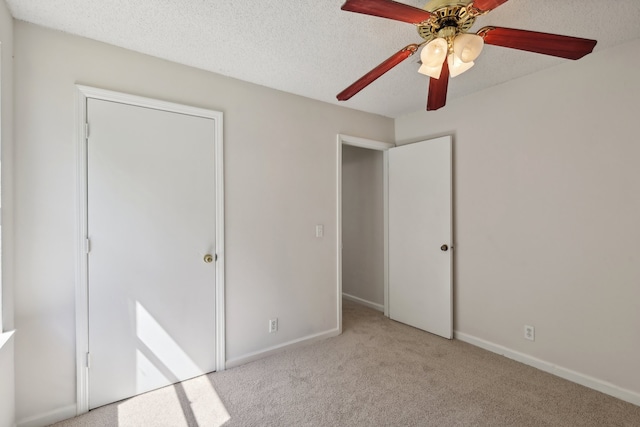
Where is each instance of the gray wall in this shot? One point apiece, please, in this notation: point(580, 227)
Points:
point(7, 402)
point(546, 214)
point(362, 224)
point(280, 180)
point(545, 199)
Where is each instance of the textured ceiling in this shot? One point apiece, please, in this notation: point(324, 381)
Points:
point(312, 48)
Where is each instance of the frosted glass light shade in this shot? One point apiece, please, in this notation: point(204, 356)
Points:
point(433, 56)
point(434, 52)
point(467, 47)
point(431, 71)
point(456, 66)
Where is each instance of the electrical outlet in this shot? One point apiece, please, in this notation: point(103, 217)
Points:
point(529, 333)
point(273, 325)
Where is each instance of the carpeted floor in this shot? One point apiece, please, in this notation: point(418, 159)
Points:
point(377, 373)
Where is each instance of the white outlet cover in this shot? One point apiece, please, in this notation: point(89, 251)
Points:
point(273, 325)
point(529, 333)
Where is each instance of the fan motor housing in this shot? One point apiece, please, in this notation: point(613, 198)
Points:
point(446, 14)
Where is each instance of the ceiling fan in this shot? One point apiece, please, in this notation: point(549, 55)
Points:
point(449, 49)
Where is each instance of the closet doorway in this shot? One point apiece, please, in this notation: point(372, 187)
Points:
point(414, 214)
point(363, 227)
point(363, 222)
point(149, 299)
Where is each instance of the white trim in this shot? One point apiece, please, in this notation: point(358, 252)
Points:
point(365, 143)
point(49, 418)
point(256, 355)
point(371, 145)
point(339, 232)
point(5, 337)
point(82, 305)
point(82, 316)
point(141, 101)
point(543, 365)
point(385, 201)
point(361, 301)
point(221, 352)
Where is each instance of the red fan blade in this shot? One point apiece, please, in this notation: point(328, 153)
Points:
point(532, 41)
point(387, 9)
point(438, 89)
point(372, 75)
point(487, 5)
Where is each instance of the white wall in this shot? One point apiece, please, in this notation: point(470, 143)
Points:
point(7, 393)
point(546, 214)
point(362, 224)
point(280, 179)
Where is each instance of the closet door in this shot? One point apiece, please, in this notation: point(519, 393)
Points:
point(151, 229)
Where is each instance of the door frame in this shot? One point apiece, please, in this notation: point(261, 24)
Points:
point(83, 93)
point(371, 145)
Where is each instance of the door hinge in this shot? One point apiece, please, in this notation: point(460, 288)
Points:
point(86, 131)
point(87, 245)
point(88, 360)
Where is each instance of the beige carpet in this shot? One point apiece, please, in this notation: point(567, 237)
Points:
point(377, 373)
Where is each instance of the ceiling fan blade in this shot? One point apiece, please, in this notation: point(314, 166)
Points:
point(387, 9)
point(487, 5)
point(532, 41)
point(372, 75)
point(438, 89)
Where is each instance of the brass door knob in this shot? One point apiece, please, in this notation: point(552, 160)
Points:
point(208, 258)
point(444, 248)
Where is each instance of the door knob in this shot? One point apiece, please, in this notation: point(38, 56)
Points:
point(444, 248)
point(208, 258)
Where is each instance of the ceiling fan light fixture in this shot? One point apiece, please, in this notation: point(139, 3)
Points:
point(457, 66)
point(433, 56)
point(467, 47)
point(444, 26)
point(431, 71)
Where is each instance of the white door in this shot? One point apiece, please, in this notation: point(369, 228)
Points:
point(151, 223)
point(420, 236)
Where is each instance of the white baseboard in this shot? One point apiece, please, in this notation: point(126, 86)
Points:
point(49, 418)
point(280, 347)
point(567, 374)
point(364, 302)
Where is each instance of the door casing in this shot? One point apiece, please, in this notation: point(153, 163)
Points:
point(82, 316)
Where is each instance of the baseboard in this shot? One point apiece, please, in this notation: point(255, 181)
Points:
point(364, 302)
point(573, 376)
point(281, 347)
point(49, 418)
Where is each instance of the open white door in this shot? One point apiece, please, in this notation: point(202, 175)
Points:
point(151, 224)
point(420, 236)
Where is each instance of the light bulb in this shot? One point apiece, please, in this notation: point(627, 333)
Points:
point(432, 57)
